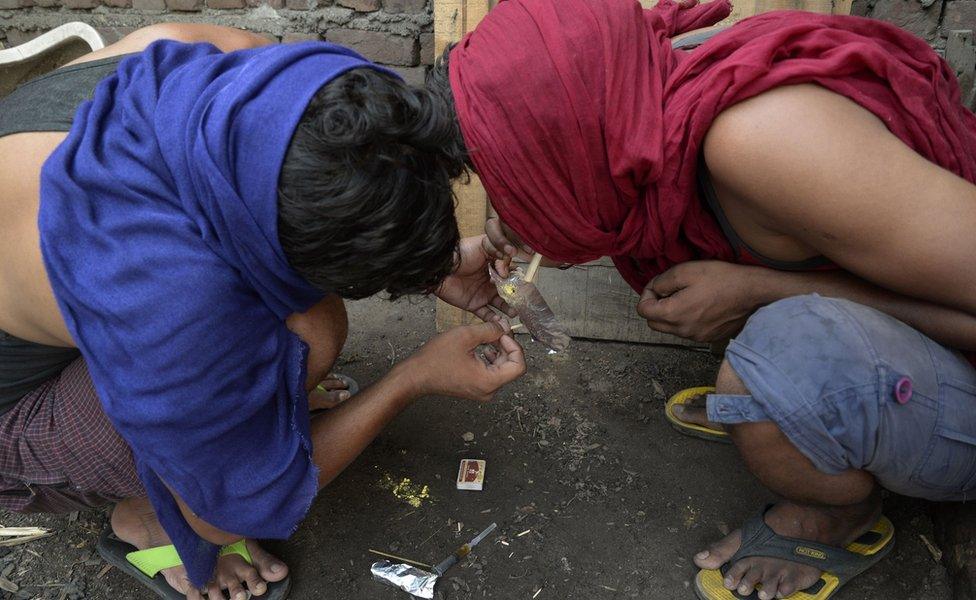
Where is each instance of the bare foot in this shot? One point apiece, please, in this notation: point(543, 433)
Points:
point(836, 526)
point(330, 393)
point(695, 412)
point(135, 522)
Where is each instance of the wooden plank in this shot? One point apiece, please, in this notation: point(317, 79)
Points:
point(453, 19)
point(470, 212)
point(595, 302)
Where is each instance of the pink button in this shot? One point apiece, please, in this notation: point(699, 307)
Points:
point(903, 390)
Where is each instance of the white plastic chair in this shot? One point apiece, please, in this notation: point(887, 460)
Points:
point(45, 53)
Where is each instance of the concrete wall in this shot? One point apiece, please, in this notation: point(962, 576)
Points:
point(392, 32)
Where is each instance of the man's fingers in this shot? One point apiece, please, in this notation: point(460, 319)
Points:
point(491, 354)
point(666, 283)
point(503, 306)
point(493, 228)
point(489, 248)
point(502, 266)
point(511, 360)
point(657, 311)
point(484, 333)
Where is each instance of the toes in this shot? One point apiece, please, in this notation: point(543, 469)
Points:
point(770, 586)
point(752, 575)
point(270, 568)
point(786, 586)
point(178, 580)
point(332, 383)
point(214, 592)
point(719, 553)
point(320, 400)
point(690, 414)
point(734, 575)
point(249, 575)
point(235, 591)
point(193, 593)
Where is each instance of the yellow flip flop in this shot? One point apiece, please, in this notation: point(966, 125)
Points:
point(837, 565)
point(684, 397)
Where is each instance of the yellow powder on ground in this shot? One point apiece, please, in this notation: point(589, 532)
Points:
point(405, 490)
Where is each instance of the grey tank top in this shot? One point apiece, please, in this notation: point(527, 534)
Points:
point(47, 103)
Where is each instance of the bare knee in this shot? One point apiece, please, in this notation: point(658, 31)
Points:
point(324, 328)
point(780, 466)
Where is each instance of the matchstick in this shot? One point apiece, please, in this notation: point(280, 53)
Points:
point(533, 267)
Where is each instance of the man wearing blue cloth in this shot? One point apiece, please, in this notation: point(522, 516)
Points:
point(182, 214)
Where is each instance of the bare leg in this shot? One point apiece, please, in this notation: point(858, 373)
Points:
point(831, 509)
point(324, 329)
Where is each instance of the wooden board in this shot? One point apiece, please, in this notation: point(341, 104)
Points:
point(452, 19)
point(592, 300)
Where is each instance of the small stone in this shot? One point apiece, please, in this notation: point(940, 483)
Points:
point(467, 436)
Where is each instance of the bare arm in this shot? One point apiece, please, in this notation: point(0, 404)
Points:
point(822, 170)
point(949, 326)
point(447, 365)
point(227, 39)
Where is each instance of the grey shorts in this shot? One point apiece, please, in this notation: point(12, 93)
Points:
point(853, 388)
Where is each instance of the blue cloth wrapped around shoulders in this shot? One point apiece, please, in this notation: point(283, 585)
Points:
point(158, 225)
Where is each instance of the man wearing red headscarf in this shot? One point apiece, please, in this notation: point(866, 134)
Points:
point(801, 182)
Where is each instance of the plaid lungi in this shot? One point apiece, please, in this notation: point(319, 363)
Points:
point(59, 452)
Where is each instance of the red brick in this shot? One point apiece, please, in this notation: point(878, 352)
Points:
point(960, 14)
point(378, 46)
point(10, 4)
point(299, 37)
point(413, 75)
point(360, 5)
point(405, 6)
point(426, 48)
point(184, 5)
point(223, 4)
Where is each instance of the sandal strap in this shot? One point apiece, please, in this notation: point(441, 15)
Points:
point(759, 539)
point(153, 560)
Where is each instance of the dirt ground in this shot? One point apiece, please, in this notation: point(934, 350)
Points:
point(594, 494)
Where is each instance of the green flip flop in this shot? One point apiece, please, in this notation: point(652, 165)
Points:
point(145, 565)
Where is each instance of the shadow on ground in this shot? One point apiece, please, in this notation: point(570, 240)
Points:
point(594, 494)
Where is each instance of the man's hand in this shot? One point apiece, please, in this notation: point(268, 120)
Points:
point(452, 365)
point(503, 244)
point(705, 301)
point(469, 287)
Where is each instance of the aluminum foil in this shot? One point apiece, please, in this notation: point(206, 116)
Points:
point(412, 580)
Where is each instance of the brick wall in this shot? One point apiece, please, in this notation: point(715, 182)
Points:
point(393, 32)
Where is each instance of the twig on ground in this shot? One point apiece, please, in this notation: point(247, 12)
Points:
point(935, 552)
point(401, 559)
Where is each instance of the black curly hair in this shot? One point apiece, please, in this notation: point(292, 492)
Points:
point(365, 202)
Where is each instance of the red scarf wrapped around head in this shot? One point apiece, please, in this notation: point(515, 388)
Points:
point(586, 127)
